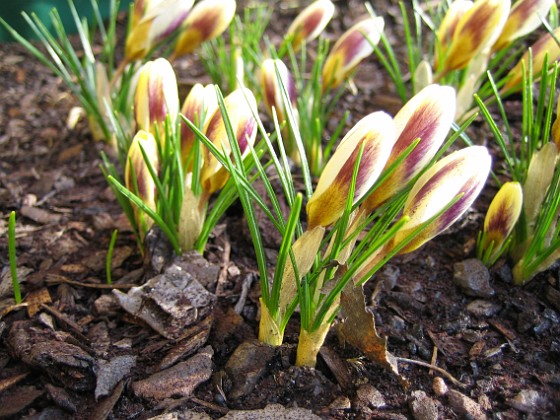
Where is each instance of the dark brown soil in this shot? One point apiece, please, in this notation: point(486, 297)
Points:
point(504, 348)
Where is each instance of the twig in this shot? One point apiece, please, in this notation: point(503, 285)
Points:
point(211, 406)
point(53, 279)
point(440, 370)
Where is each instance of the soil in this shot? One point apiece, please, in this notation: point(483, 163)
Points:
point(72, 352)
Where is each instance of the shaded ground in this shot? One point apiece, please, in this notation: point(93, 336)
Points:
point(82, 356)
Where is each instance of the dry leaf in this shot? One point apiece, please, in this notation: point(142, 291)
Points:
point(358, 329)
point(35, 299)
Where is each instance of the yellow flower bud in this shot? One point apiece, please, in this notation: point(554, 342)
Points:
point(241, 106)
point(156, 96)
point(427, 116)
point(207, 20)
point(151, 22)
point(546, 46)
point(199, 106)
point(376, 133)
point(138, 178)
point(309, 24)
point(476, 31)
point(350, 49)
point(501, 218)
point(525, 16)
point(461, 174)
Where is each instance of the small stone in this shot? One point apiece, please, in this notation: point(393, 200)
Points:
point(106, 305)
point(465, 406)
point(473, 278)
point(272, 411)
point(368, 396)
point(340, 403)
point(528, 401)
point(248, 363)
point(423, 407)
point(439, 386)
point(483, 308)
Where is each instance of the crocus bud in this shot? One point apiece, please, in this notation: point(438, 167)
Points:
point(272, 92)
point(447, 28)
point(538, 179)
point(501, 218)
point(156, 96)
point(351, 48)
point(241, 107)
point(555, 131)
point(152, 21)
point(423, 76)
point(546, 46)
point(427, 116)
point(476, 31)
point(525, 16)
point(199, 106)
point(207, 20)
point(376, 133)
point(309, 24)
point(461, 175)
point(138, 179)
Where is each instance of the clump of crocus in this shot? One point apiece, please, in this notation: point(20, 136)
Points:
point(309, 24)
point(207, 20)
point(351, 48)
point(240, 108)
point(502, 215)
point(142, 155)
point(534, 242)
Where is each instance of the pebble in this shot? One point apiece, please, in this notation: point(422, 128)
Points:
point(340, 403)
point(473, 278)
point(483, 308)
point(465, 406)
point(423, 407)
point(528, 401)
point(439, 386)
point(272, 411)
point(368, 395)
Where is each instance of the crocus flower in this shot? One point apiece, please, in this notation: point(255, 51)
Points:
point(427, 116)
point(138, 178)
point(207, 20)
point(351, 48)
point(501, 218)
point(525, 16)
point(448, 26)
point(546, 46)
point(272, 92)
point(538, 179)
point(309, 24)
point(461, 174)
point(476, 31)
point(152, 21)
point(199, 106)
point(156, 96)
point(376, 133)
point(555, 130)
point(241, 107)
